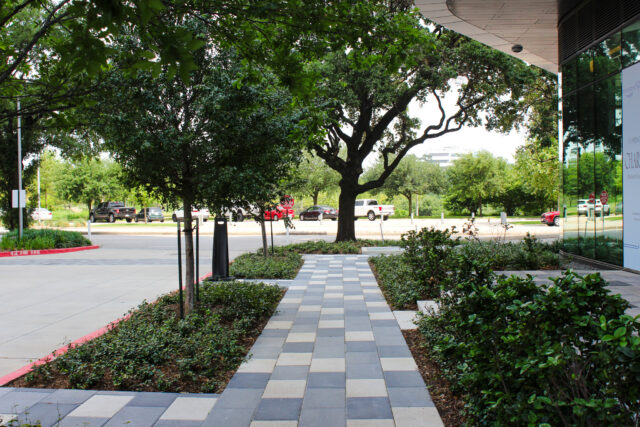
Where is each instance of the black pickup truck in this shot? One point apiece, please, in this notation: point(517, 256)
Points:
point(110, 211)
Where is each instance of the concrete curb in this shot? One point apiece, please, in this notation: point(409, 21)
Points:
point(29, 252)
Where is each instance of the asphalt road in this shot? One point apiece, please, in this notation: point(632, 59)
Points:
point(50, 300)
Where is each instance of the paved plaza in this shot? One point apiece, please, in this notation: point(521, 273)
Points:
point(332, 355)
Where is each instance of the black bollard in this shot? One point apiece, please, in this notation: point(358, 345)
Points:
point(220, 262)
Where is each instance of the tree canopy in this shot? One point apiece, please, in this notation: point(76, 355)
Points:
point(205, 142)
point(365, 91)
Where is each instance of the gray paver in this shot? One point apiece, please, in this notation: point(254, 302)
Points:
point(403, 379)
point(290, 373)
point(365, 371)
point(68, 396)
point(136, 416)
point(278, 410)
point(249, 380)
point(409, 397)
point(323, 417)
point(236, 417)
point(326, 380)
point(368, 408)
point(324, 398)
point(46, 414)
point(239, 398)
point(82, 422)
point(16, 402)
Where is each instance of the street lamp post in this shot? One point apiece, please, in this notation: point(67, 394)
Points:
point(19, 173)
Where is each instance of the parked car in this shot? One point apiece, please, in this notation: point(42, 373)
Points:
point(238, 213)
point(41, 214)
point(152, 214)
point(110, 211)
point(371, 209)
point(584, 206)
point(195, 213)
point(278, 213)
point(318, 213)
point(551, 218)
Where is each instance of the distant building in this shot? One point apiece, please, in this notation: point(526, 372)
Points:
point(443, 159)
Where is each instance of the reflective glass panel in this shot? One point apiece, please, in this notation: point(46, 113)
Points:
point(631, 44)
point(607, 223)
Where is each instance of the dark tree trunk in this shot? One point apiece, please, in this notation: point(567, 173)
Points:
point(189, 279)
point(265, 250)
point(314, 196)
point(346, 223)
point(409, 198)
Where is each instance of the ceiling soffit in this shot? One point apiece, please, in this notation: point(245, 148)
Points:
point(502, 24)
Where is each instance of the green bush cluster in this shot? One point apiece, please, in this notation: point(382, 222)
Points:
point(522, 353)
point(282, 265)
point(427, 253)
point(155, 350)
point(419, 271)
point(528, 254)
point(42, 239)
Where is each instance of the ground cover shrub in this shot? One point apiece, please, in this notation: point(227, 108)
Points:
point(397, 282)
point(522, 353)
point(42, 239)
point(528, 254)
point(325, 247)
point(154, 350)
point(254, 265)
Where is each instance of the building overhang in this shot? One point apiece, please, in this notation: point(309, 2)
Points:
point(501, 24)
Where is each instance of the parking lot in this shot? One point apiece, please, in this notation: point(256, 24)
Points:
point(392, 228)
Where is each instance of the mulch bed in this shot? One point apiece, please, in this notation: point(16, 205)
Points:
point(449, 405)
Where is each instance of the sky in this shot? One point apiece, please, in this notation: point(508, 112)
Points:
point(467, 139)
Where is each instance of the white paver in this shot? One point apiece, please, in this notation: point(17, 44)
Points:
point(189, 409)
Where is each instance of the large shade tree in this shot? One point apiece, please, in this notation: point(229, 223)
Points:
point(366, 89)
point(207, 141)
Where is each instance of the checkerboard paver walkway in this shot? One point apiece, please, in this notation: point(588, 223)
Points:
point(333, 355)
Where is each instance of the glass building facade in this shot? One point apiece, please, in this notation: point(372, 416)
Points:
point(591, 150)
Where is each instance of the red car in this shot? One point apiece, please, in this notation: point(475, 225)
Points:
point(278, 213)
point(551, 218)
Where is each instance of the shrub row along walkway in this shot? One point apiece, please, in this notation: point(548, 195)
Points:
point(333, 354)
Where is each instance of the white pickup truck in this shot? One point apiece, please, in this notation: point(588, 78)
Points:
point(371, 209)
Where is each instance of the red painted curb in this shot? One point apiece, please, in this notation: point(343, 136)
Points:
point(27, 252)
point(62, 350)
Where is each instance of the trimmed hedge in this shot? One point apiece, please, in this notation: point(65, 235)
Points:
point(42, 239)
point(283, 265)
